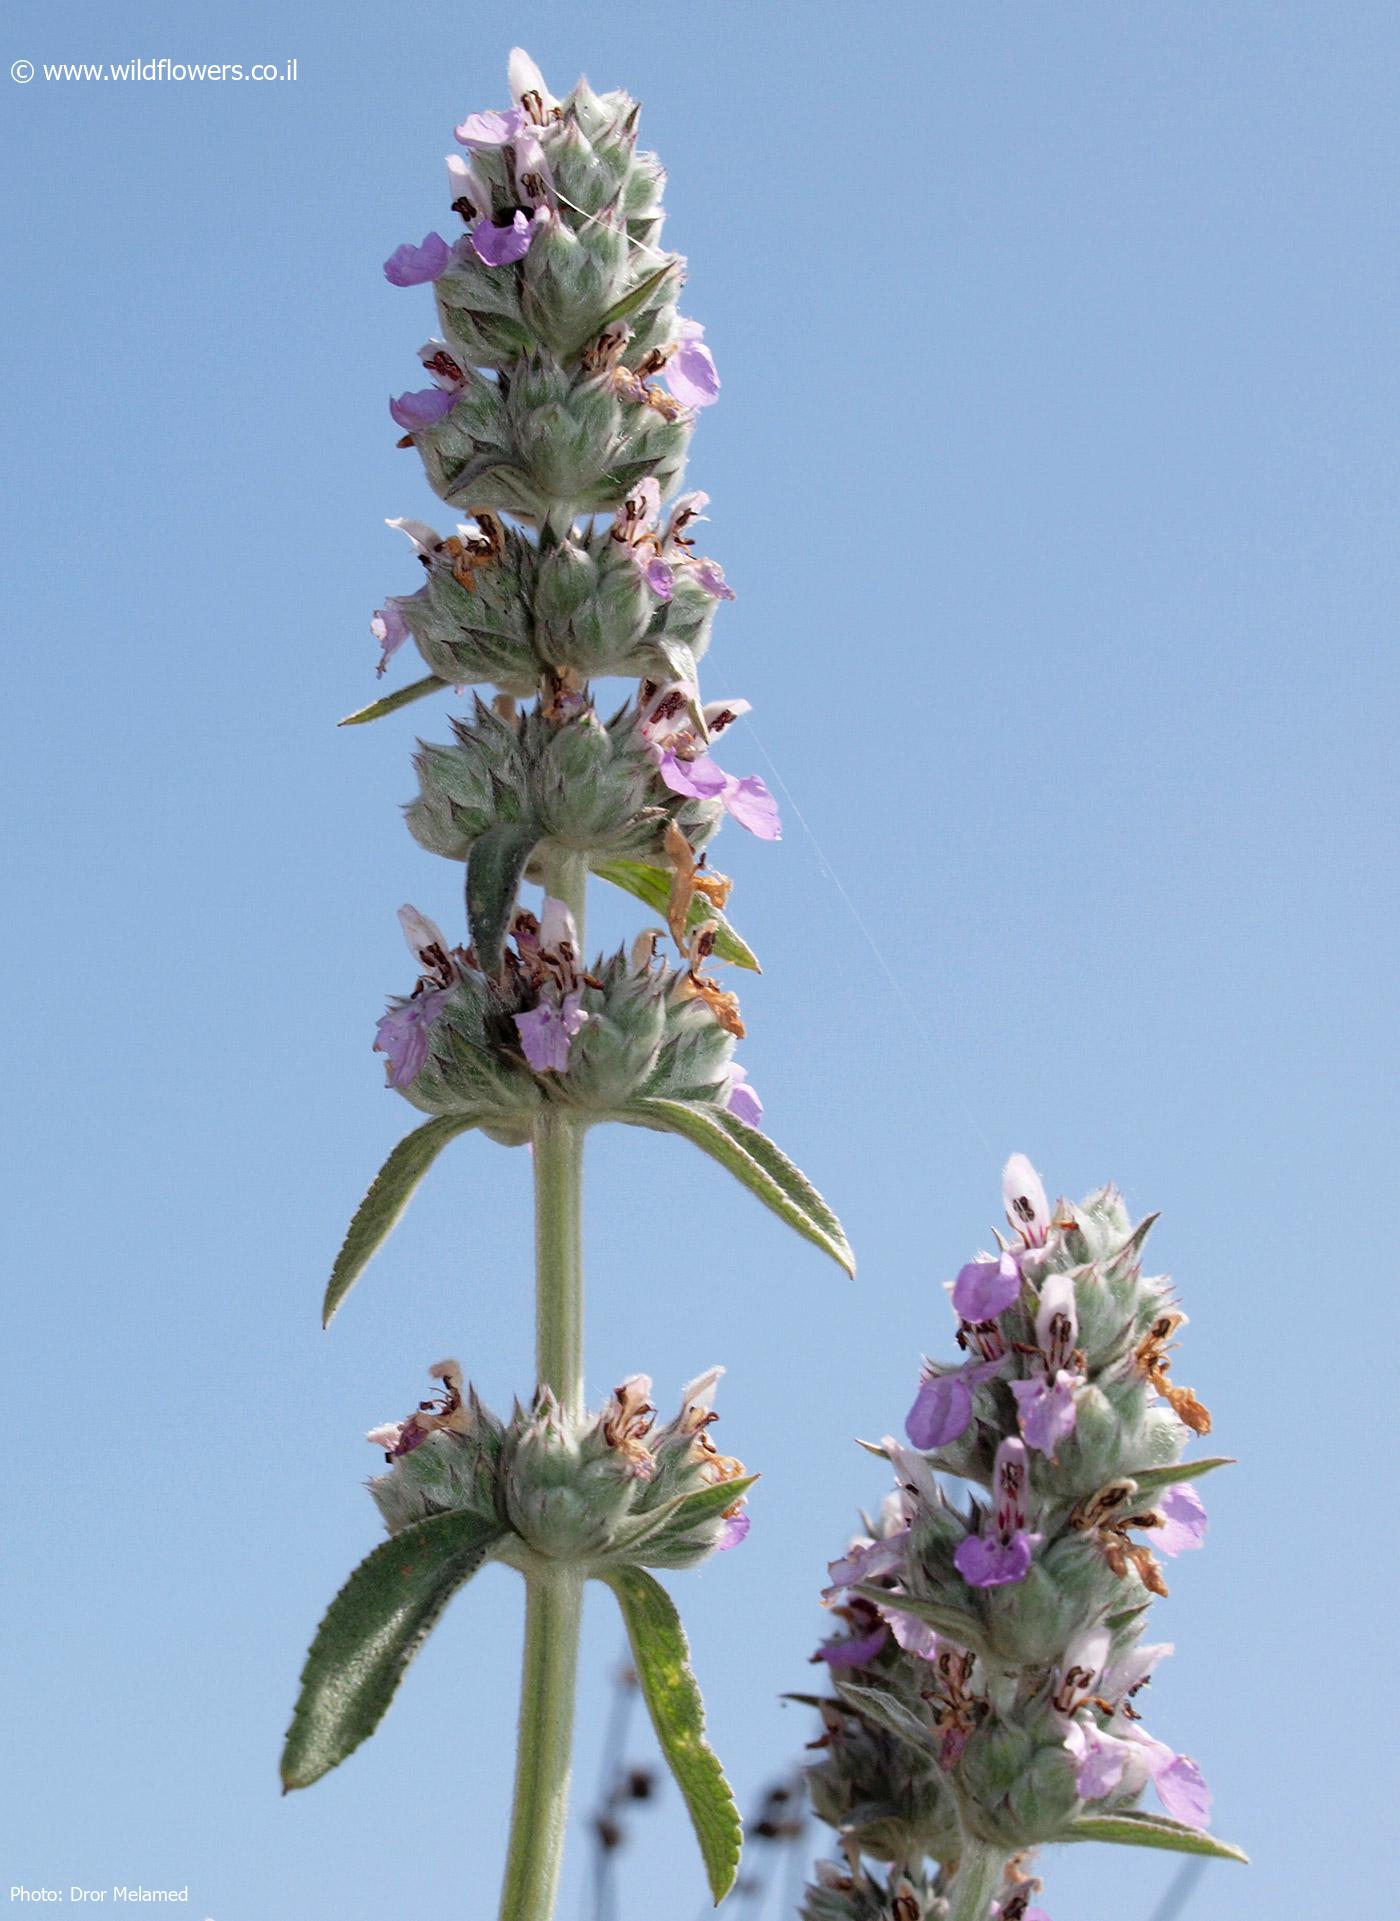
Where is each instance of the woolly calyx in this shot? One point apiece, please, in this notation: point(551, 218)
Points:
point(498, 1048)
point(610, 1489)
point(590, 786)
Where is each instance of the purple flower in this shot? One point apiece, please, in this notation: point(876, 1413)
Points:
point(1183, 1520)
point(1003, 1555)
point(668, 728)
point(984, 1562)
point(1121, 1755)
point(748, 800)
point(914, 1636)
point(690, 372)
point(547, 1030)
point(943, 1405)
point(853, 1654)
point(660, 578)
point(410, 266)
point(710, 575)
point(1045, 1410)
point(402, 1034)
point(986, 1288)
point(489, 129)
point(865, 1561)
point(741, 1100)
point(1180, 1788)
point(735, 1529)
point(423, 409)
point(500, 239)
point(389, 628)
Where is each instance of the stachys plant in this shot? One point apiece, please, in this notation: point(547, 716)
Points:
point(564, 386)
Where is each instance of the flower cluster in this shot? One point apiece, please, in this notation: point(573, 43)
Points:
point(499, 1047)
point(564, 389)
point(607, 1490)
point(989, 1657)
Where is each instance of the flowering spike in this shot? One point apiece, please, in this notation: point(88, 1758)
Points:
point(1014, 1650)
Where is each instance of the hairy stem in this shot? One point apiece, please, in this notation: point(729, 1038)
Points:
point(976, 1882)
point(553, 1595)
point(540, 1812)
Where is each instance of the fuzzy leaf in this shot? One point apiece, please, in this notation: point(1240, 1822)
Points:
point(388, 1196)
point(371, 1631)
point(401, 697)
point(1135, 1828)
point(1152, 1480)
point(653, 886)
point(629, 304)
point(887, 1713)
point(662, 1660)
point(495, 864)
point(752, 1158)
point(684, 1511)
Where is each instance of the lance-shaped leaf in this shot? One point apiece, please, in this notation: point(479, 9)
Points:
point(1151, 1480)
point(629, 304)
point(763, 1168)
point(662, 1660)
point(402, 697)
point(686, 1511)
point(372, 1630)
point(388, 1196)
point(653, 886)
point(888, 1713)
point(494, 868)
point(1136, 1828)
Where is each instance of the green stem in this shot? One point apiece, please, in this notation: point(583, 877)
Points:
point(553, 1593)
point(979, 1874)
point(559, 1257)
point(540, 1812)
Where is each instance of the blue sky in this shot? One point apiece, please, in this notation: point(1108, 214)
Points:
point(1056, 471)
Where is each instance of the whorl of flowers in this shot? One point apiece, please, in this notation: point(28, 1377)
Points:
point(989, 1657)
point(610, 1489)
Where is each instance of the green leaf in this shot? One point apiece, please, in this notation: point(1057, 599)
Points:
point(389, 1194)
point(661, 1658)
point(372, 1630)
point(391, 703)
point(952, 1622)
point(682, 1512)
point(887, 1713)
point(750, 1156)
point(1134, 1828)
point(1151, 1480)
point(495, 865)
point(653, 885)
point(628, 305)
